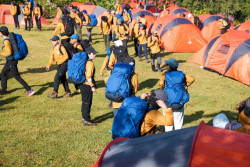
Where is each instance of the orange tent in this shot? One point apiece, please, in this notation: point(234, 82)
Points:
point(202, 146)
point(149, 16)
point(5, 15)
point(228, 55)
point(244, 27)
point(210, 26)
point(178, 34)
point(43, 21)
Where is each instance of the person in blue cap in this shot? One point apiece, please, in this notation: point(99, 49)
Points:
point(74, 40)
point(15, 11)
point(60, 56)
point(174, 83)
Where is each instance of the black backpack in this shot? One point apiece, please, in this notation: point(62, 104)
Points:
point(197, 22)
point(85, 44)
point(41, 9)
point(81, 16)
point(228, 23)
point(18, 9)
point(69, 48)
point(68, 25)
point(121, 55)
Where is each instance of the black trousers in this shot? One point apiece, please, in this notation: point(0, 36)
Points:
point(107, 41)
point(38, 22)
point(61, 77)
point(87, 97)
point(136, 46)
point(27, 20)
point(89, 34)
point(11, 66)
point(124, 42)
point(16, 20)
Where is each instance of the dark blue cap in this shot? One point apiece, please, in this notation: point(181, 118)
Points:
point(55, 38)
point(172, 63)
point(91, 50)
point(85, 11)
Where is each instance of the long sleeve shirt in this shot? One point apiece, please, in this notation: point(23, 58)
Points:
point(60, 29)
point(7, 49)
point(57, 56)
point(154, 45)
point(13, 10)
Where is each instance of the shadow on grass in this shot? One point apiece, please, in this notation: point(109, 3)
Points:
point(48, 28)
point(8, 101)
point(103, 117)
point(100, 84)
point(44, 87)
point(193, 117)
point(37, 70)
point(148, 83)
point(230, 115)
point(101, 55)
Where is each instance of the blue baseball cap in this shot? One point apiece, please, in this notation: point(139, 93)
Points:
point(172, 63)
point(75, 36)
point(85, 11)
point(55, 38)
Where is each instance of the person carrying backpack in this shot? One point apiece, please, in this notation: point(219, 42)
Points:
point(143, 19)
point(15, 11)
point(122, 31)
point(27, 17)
point(124, 80)
point(139, 116)
point(88, 87)
point(134, 36)
point(60, 56)
point(74, 40)
point(173, 82)
point(106, 62)
point(30, 5)
point(105, 29)
point(142, 41)
point(114, 24)
point(11, 62)
point(88, 24)
point(126, 16)
point(244, 113)
point(118, 7)
point(38, 14)
point(78, 23)
point(224, 25)
point(155, 51)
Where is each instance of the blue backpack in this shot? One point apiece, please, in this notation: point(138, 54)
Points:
point(19, 47)
point(77, 68)
point(175, 89)
point(119, 16)
point(93, 20)
point(130, 13)
point(118, 84)
point(127, 122)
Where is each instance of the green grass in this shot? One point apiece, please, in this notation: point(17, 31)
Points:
point(39, 131)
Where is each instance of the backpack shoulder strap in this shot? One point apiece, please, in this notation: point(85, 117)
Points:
point(60, 49)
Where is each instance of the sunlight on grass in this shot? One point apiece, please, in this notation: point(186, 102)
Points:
point(38, 131)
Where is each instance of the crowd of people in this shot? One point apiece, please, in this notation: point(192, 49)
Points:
point(122, 82)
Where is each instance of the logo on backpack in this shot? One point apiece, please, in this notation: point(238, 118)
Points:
point(118, 84)
point(77, 68)
point(68, 26)
point(93, 20)
point(19, 47)
point(127, 122)
point(175, 89)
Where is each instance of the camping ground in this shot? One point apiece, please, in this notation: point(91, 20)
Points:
point(39, 131)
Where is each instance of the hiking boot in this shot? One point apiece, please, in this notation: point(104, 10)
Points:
point(88, 123)
point(146, 61)
point(3, 91)
point(67, 95)
point(30, 92)
point(159, 67)
point(153, 68)
point(53, 95)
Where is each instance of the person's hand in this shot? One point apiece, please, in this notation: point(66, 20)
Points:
point(47, 68)
point(93, 89)
point(161, 104)
point(143, 96)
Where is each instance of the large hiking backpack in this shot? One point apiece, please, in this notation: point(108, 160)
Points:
point(69, 48)
point(19, 47)
point(118, 84)
point(68, 25)
point(41, 9)
point(32, 4)
point(121, 55)
point(119, 16)
point(18, 9)
point(81, 16)
point(93, 20)
point(130, 13)
point(77, 68)
point(128, 120)
point(85, 44)
point(175, 89)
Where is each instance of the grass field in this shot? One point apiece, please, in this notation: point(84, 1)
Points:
point(39, 131)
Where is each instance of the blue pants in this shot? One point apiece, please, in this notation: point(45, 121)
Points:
point(113, 38)
point(144, 49)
